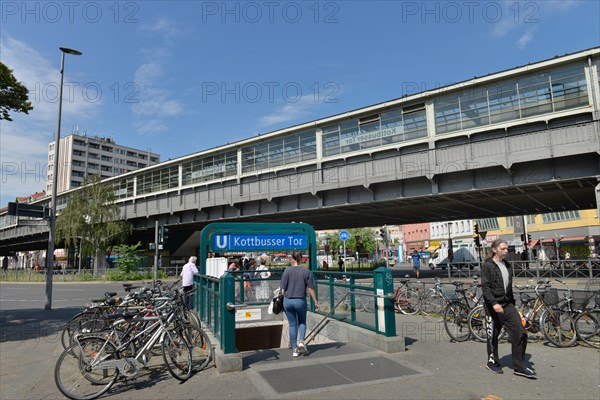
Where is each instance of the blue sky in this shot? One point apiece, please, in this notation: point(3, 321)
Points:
point(178, 77)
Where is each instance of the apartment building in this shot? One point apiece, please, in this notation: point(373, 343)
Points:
point(82, 155)
point(552, 234)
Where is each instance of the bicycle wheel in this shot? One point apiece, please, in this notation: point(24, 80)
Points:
point(177, 355)
point(77, 374)
point(558, 327)
point(587, 326)
point(193, 318)
point(477, 323)
point(74, 325)
point(456, 322)
point(408, 302)
point(368, 304)
point(202, 350)
point(433, 304)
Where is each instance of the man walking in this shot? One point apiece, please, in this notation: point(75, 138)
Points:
point(416, 260)
point(499, 302)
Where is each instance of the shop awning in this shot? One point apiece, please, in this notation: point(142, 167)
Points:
point(574, 239)
point(533, 243)
point(432, 249)
point(549, 240)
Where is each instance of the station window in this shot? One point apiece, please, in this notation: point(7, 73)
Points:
point(560, 216)
point(376, 130)
point(529, 95)
point(207, 168)
point(488, 224)
point(279, 152)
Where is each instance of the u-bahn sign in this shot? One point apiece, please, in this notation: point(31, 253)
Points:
point(257, 242)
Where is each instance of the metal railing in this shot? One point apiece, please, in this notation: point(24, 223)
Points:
point(83, 274)
point(217, 300)
point(589, 268)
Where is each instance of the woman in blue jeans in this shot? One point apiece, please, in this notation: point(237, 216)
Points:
point(295, 281)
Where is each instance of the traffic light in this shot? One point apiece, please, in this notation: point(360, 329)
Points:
point(163, 234)
point(475, 229)
point(383, 232)
point(528, 237)
point(358, 247)
point(523, 237)
point(477, 241)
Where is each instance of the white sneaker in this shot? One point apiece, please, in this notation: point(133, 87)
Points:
point(296, 352)
point(302, 348)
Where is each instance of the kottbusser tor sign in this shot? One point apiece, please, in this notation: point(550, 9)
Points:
point(258, 242)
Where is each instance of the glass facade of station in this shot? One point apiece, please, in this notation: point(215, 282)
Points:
point(551, 90)
point(204, 169)
point(281, 151)
point(158, 180)
point(377, 130)
point(523, 97)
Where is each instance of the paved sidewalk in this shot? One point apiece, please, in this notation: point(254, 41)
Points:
point(430, 368)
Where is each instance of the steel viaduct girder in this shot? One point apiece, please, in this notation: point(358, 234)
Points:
point(533, 172)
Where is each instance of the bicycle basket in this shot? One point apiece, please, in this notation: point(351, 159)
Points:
point(551, 297)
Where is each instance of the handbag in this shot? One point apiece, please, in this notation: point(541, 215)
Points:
point(276, 305)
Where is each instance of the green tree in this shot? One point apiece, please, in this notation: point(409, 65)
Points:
point(91, 217)
point(13, 94)
point(365, 236)
point(127, 257)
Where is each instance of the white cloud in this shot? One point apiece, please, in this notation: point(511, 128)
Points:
point(559, 5)
point(524, 17)
point(525, 39)
point(24, 163)
point(41, 76)
point(155, 97)
point(165, 27)
point(24, 141)
point(151, 126)
point(290, 112)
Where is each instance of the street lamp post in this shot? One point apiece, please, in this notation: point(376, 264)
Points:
point(52, 219)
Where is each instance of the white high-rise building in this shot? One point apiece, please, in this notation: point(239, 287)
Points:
point(81, 155)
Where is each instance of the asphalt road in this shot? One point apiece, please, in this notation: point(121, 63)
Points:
point(29, 347)
point(18, 296)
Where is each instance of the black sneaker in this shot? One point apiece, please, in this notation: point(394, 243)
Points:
point(527, 373)
point(497, 369)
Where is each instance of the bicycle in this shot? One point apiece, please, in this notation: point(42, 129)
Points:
point(557, 322)
point(587, 324)
point(457, 311)
point(360, 303)
point(90, 366)
point(406, 300)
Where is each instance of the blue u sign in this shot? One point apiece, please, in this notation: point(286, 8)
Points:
point(344, 235)
point(258, 242)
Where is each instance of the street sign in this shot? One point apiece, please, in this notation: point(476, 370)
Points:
point(28, 210)
point(344, 235)
point(258, 242)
